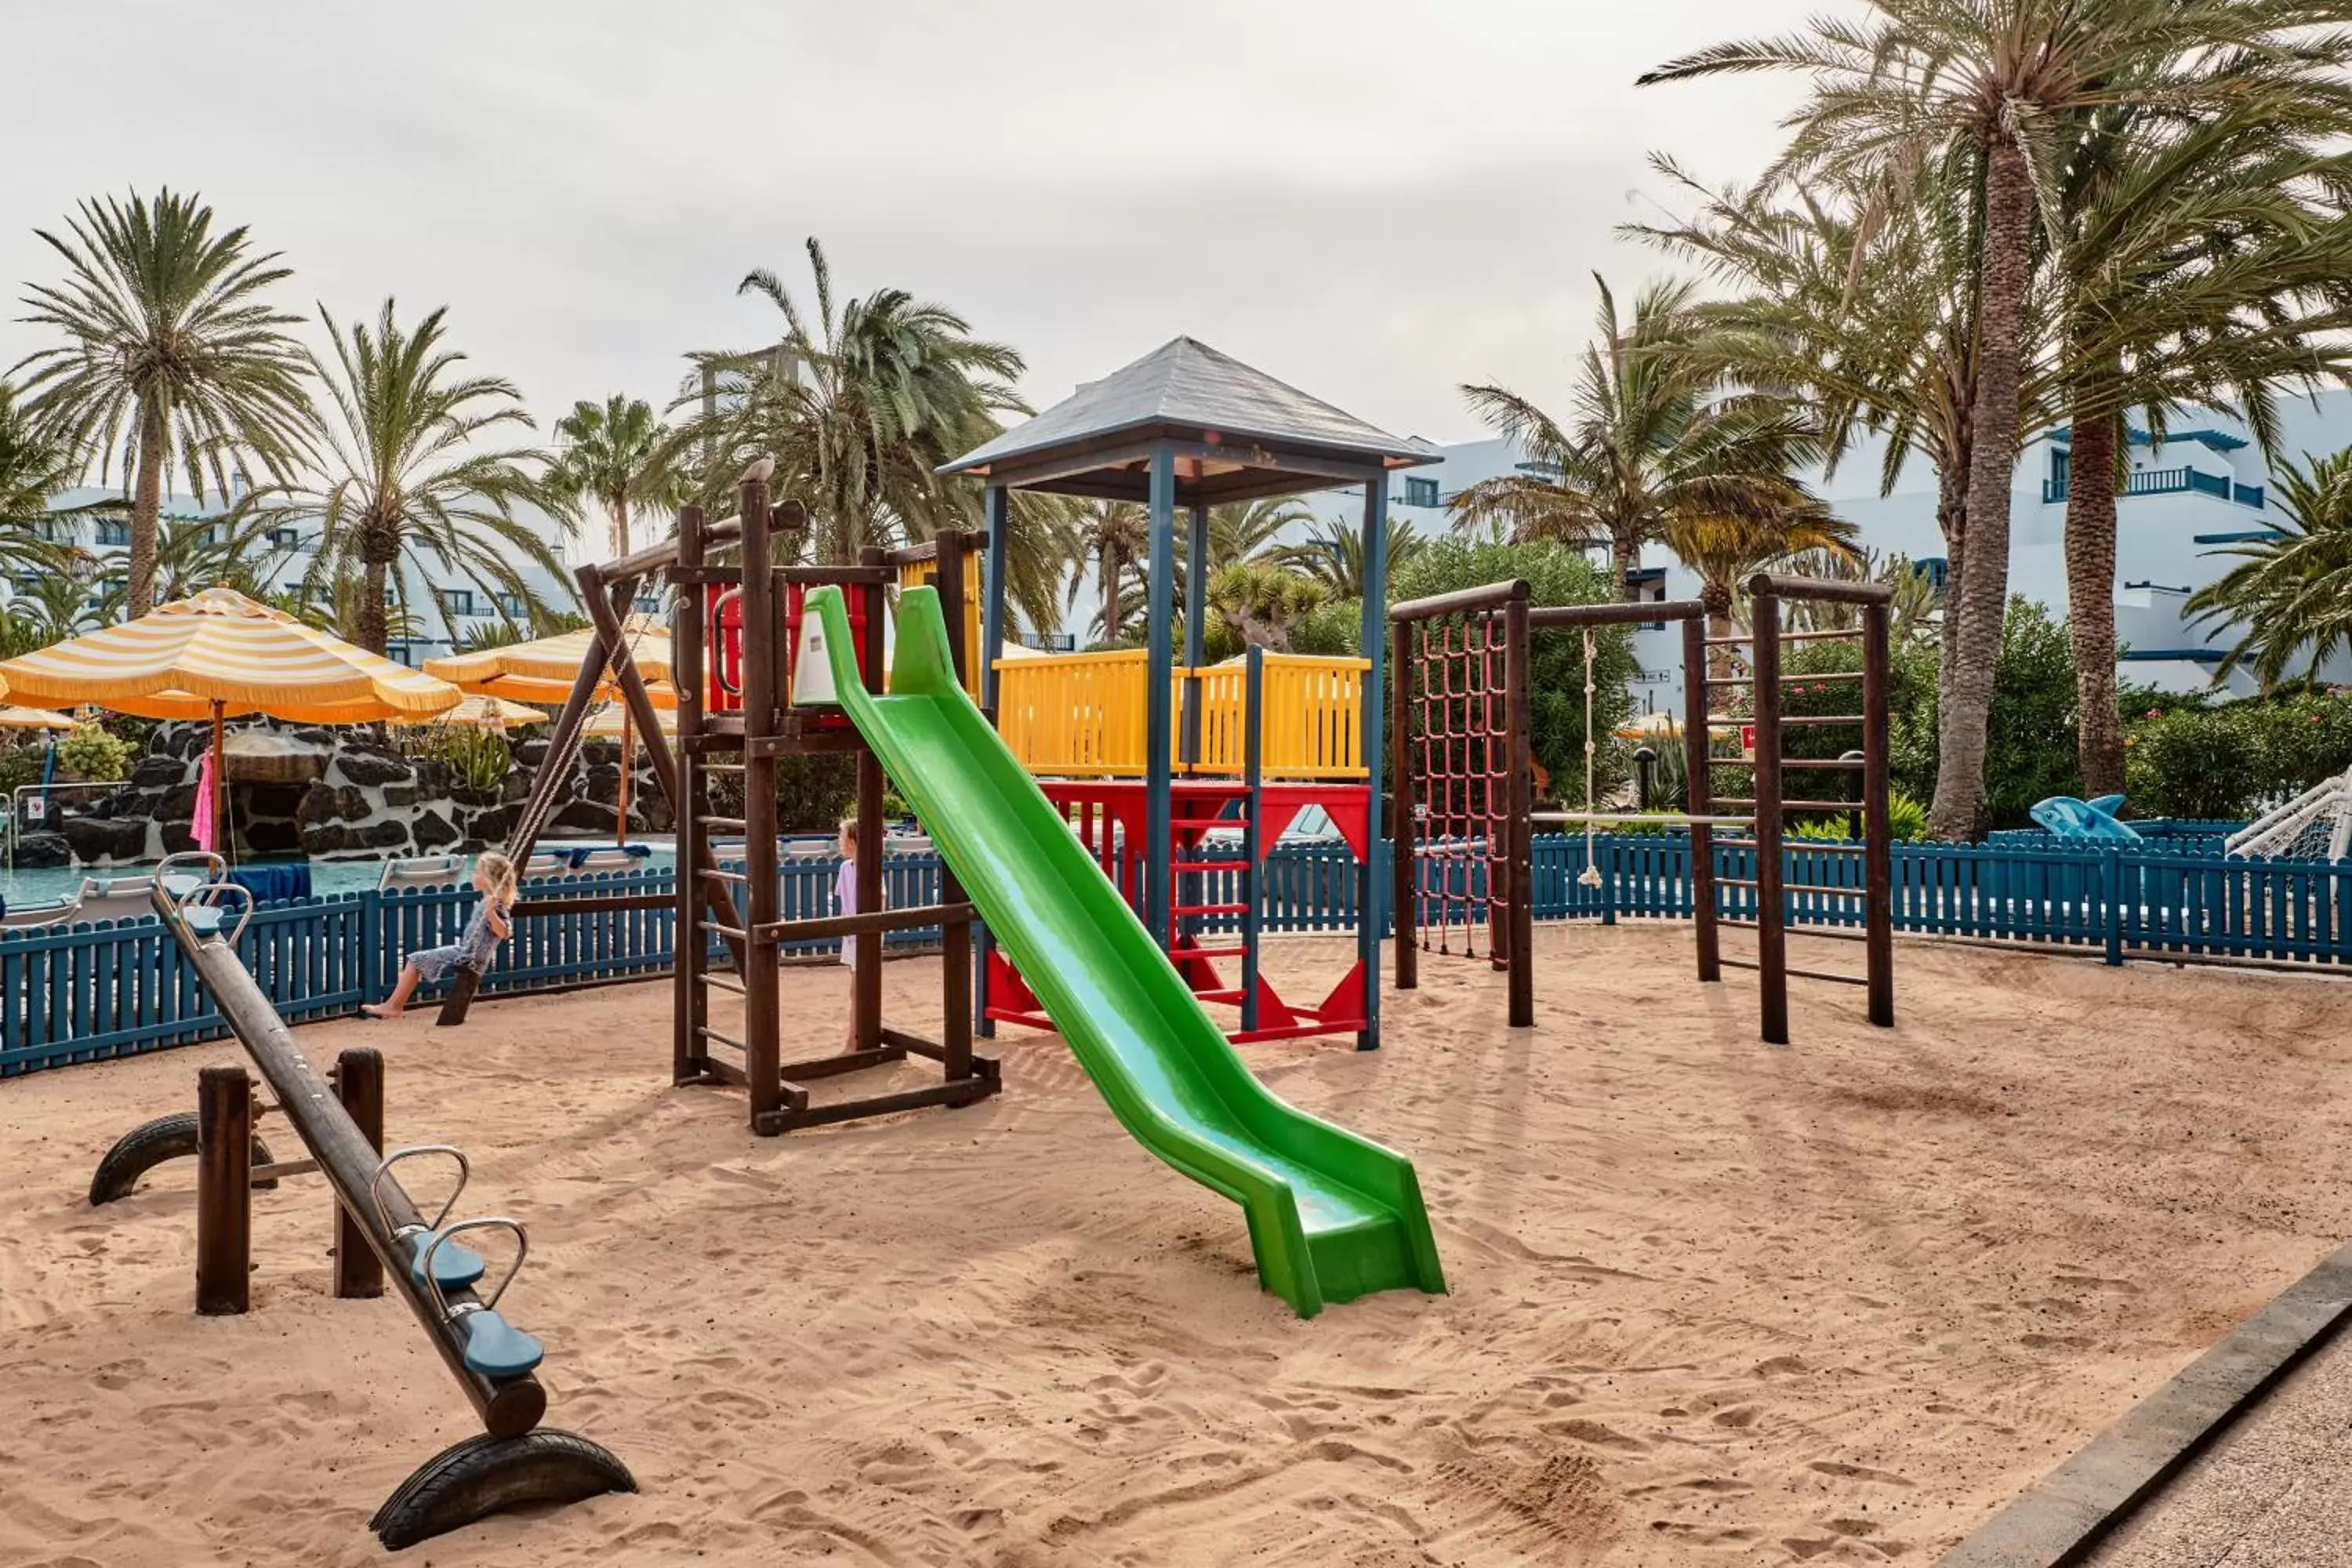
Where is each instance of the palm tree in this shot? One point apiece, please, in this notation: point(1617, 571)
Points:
point(1873, 321)
point(620, 455)
point(1997, 86)
point(170, 355)
point(860, 404)
point(1333, 554)
point(32, 469)
point(198, 553)
point(2198, 268)
point(53, 602)
point(1240, 533)
point(1261, 603)
point(1726, 551)
point(1656, 441)
point(1112, 536)
point(2292, 594)
point(413, 477)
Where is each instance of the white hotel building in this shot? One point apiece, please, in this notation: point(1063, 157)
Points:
point(288, 555)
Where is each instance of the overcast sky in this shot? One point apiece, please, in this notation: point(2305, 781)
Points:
point(1373, 199)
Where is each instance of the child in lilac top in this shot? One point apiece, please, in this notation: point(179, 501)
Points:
point(845, 893)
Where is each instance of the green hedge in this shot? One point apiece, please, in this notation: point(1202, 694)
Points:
point(2236, 760)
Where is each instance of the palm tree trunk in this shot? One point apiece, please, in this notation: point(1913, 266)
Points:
point(2091, 594)
point(616, 507)
point(373, 628)
point(1983, 598)
point(1111, 567)
point(1952, 518)
point(146, 511)
point(1625, 552)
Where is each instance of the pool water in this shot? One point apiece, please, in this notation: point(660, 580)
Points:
point(42, 885)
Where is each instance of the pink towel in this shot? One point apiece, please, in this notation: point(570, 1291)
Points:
point(207, 831)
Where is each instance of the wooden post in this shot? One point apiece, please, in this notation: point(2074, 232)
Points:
point(1404, 882)
point(1771, 937)
point(1877, 832)
point(1519, 869)
point(359, 1085)
point(762, 626)
point(955, 934)
point(867, 981)
point(690, 1002)
point(223, 1195)
point(1698, 795)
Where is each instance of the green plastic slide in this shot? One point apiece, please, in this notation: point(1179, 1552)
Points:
point(1331, 1215)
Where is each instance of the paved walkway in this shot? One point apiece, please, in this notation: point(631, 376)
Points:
point(2274, 1493)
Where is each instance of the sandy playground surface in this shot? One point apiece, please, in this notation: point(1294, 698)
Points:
point(1711, 1302)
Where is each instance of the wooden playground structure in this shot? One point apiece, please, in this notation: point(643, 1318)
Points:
point(1463, 773)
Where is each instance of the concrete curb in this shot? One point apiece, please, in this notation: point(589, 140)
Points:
point(2061, 1518)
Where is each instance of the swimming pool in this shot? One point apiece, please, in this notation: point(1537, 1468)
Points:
point(47, 884)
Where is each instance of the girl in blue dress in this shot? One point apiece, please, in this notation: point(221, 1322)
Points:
point(494, 879)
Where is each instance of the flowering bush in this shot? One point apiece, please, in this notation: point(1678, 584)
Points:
point(2238, 760)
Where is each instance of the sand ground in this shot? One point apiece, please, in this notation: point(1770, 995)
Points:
point(1712, 1302)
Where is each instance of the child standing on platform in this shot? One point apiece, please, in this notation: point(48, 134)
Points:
point(845, 895)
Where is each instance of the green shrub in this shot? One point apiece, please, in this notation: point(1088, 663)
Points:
point(91, 754)
point(1907, 822)
point(2237, 760)
point(20, 766)
point(477, 759)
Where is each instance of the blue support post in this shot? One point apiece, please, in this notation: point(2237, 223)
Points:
point(991, 645)
point(1160, 675)
point(1374, 640)
point(1196, 625)
point(1252, 835)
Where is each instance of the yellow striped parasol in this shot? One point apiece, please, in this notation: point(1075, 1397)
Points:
point(218, 655)
point(35, 718)
point(543, 670)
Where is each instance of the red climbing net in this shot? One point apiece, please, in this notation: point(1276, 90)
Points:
point(1461, 751)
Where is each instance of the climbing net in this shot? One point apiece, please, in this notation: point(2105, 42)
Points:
point(1459, 746)
point(2314, 825)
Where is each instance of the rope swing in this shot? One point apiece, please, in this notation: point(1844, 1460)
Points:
point(1590, 876)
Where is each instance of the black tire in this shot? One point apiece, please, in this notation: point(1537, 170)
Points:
point(483, 1475)
point(142, 1149)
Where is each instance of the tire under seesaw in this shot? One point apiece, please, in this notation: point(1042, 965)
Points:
point(144, 1147)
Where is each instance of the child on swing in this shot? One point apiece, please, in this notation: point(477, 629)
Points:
point(494, 879)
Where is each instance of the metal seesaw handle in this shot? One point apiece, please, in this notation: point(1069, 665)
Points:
point(375, 1184)
point(487, 1222)
point(211, 895)
point(215, 865)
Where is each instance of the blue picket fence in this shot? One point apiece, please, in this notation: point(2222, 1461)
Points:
point(100, 991)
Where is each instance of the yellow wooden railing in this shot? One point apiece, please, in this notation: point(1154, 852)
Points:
point(1083, 715)
point(1309, 723)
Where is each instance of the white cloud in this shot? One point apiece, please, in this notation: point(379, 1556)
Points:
point(1376, 200)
